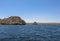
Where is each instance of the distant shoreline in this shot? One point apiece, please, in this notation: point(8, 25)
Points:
point(16, 20)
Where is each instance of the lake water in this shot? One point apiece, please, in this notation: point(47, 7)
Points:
point(41, 32)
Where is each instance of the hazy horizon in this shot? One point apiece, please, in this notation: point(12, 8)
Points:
point(31, 10)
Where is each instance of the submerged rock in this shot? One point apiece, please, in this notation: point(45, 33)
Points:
point(13, 20)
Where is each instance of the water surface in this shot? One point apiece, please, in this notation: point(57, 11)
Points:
point(41, 32)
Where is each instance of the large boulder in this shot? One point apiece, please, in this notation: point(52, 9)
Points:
point(12, 20)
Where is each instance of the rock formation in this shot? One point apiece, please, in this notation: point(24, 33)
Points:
point(35, 23)
point(15, 20)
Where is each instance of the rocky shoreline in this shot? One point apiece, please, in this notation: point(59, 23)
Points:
point(12, 20)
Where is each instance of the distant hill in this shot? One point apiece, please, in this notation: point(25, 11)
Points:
point(15, 20)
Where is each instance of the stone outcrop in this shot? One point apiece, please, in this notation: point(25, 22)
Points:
point(35, 23)
point(15, 20)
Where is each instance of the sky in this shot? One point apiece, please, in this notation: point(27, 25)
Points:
point(31, 10)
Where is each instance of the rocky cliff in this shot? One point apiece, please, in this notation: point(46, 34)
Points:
point(15, 20)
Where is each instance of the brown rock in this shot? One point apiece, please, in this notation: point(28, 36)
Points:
point(12, 20)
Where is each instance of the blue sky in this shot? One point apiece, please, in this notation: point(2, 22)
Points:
point(31, 10)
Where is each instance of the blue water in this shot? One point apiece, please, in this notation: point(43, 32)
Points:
point(41, 32)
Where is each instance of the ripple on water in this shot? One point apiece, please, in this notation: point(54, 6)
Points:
point(42, 32)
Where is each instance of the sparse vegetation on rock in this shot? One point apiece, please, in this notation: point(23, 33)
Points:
point(13, 20)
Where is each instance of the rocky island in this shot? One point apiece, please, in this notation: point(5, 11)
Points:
point(12, 20)
point(35, 23)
